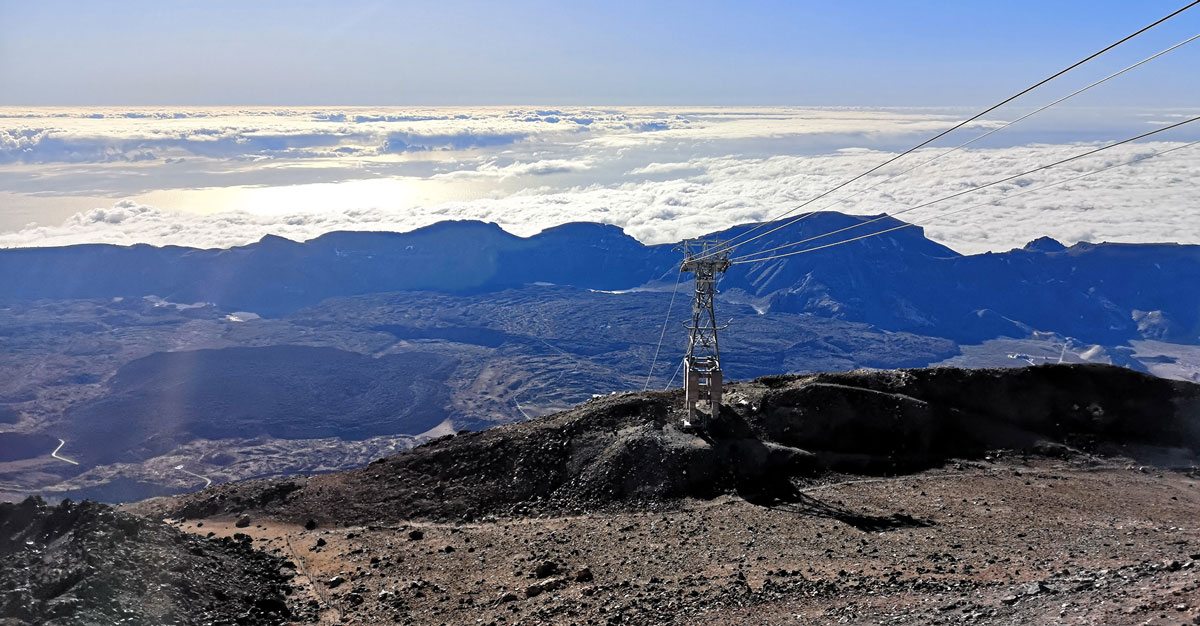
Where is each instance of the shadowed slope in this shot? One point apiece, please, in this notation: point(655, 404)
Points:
point(629, 451)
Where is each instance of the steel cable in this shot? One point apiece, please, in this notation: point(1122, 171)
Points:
point(983, 136)
point(661, 335)
point(942, 215)
point(957, 126)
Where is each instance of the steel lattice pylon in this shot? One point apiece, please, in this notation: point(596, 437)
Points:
point(702, 364)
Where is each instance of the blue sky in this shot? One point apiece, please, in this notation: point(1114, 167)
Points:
point(594, 53)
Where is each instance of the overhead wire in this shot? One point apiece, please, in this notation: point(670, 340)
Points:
point(952, 128)
point(677, 368)
point(730, 245)
point(663, 333)
point(960, 210)
point(983, 186)
point(1139, 159)
point(960, 146)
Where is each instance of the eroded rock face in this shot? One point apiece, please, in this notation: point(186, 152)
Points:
point(89, 564)
point(630, 450)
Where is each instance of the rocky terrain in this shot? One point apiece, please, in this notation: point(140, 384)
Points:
point(632, 450)
point(86, 564)
point(137, 388)
point(154, 371)
point(1009, 541)
point(1047, 495)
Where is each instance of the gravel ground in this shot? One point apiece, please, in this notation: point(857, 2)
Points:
point(1036, 541)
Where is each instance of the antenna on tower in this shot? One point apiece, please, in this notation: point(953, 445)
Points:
point(702, 364)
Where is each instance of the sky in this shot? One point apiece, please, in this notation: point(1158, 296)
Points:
point(213, 124)
point(298, 52)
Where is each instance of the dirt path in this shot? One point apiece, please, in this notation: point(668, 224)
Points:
point(54, 454)
point(207, 481)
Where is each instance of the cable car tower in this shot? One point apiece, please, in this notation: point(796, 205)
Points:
point(702, 364)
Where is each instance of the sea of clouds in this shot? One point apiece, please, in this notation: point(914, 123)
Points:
point(226, 176)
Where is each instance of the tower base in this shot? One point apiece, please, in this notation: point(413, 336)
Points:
point(702, 383)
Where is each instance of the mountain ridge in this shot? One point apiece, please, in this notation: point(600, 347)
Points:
point(902, 281)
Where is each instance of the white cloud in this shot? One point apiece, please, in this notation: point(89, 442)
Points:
point(663, 168)
point(543, 167)
point(661, 174)
point(1152, 201)
point(91, 135)
point(108, 135)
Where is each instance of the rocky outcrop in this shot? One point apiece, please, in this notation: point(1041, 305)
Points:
point(86, 564)
point(630, 450)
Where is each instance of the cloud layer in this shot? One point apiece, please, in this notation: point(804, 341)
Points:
point(51, 135)
point(661, 174)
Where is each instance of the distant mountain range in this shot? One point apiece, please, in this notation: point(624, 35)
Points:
point(130, 371)
point(902, 281)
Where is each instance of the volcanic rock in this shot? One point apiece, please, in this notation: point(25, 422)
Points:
point(547, 568)
point(630, 451)
point(549, 584)
point(88, 564)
